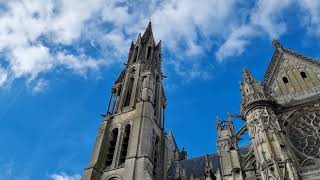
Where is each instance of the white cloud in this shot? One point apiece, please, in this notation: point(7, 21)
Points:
point(264, 19)
point(3, 76)
point(268, 15)
point(185, 22)
point(33, 33)
point(39, 86)
point(69, 22)
point(30, 60)
point(64, 176)
point(80, 64)
point(236, 43)
point(311, 19)
point(39, 36)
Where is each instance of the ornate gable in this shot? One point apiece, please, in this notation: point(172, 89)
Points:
point(291, 76)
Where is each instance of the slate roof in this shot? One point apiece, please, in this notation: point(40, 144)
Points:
point(195, 166)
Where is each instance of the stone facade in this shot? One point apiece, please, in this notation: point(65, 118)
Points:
point(281, 114)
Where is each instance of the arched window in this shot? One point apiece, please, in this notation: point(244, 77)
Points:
point(125, 143)
point(285, 80)
point(114, 178)
point(129, 91)
point(135, 54)
point(303, 75)
point(111, 146)
point(149, 52)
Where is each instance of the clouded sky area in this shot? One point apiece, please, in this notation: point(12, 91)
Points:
point(59, 59)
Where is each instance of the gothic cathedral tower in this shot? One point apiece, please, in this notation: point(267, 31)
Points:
point(130, 144)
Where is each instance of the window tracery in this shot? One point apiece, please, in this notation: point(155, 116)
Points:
point(304, 133)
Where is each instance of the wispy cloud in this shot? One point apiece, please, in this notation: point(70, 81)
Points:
point(3, 76)
point(39, 86)
point(311, 18)
point(264, 21)
point(64, 176)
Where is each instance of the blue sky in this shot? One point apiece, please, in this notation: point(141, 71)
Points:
point(59, 59)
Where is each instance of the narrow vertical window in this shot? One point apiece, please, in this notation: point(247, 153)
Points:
point(156, 96)
point(155, 156)
point(129, 92)
point(118, 93)
point(303, 75)
point(111, 146)
point(285, 80)
point(125, 143)
point(135, 54)
point(149, 52)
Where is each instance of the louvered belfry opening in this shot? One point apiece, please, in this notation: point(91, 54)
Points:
point(149, 52)
point(125, 143)
point(112, 146)
point(135, 56)
point(129, 92)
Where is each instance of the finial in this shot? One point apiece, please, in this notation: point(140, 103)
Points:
point(138, 41)
point(159, 45)
point(229, 119)
point(132, 45)
point(217, 120)
point(277, 45)
point(207, 160)
point(247, 77)
point(228, 115)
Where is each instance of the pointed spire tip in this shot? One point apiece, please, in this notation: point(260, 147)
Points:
point(246, 75)
point(277, 45)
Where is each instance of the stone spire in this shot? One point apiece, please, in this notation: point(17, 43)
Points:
point(277, 45)
point(158, 46)
point(247, 77)
point(148, 34)
point(251, 90)
point(131, 46)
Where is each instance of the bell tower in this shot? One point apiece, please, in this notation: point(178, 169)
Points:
point(130, 144)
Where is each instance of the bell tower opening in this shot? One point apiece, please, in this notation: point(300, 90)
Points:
point(125, 143)
point(112, 146)
point(129, 92)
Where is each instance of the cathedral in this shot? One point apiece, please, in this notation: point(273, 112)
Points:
point(281, 115)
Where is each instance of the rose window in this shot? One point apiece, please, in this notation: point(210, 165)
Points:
point(304, 133)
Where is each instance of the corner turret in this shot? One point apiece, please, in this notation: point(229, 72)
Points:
point(252, 91)
point(228, 150)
